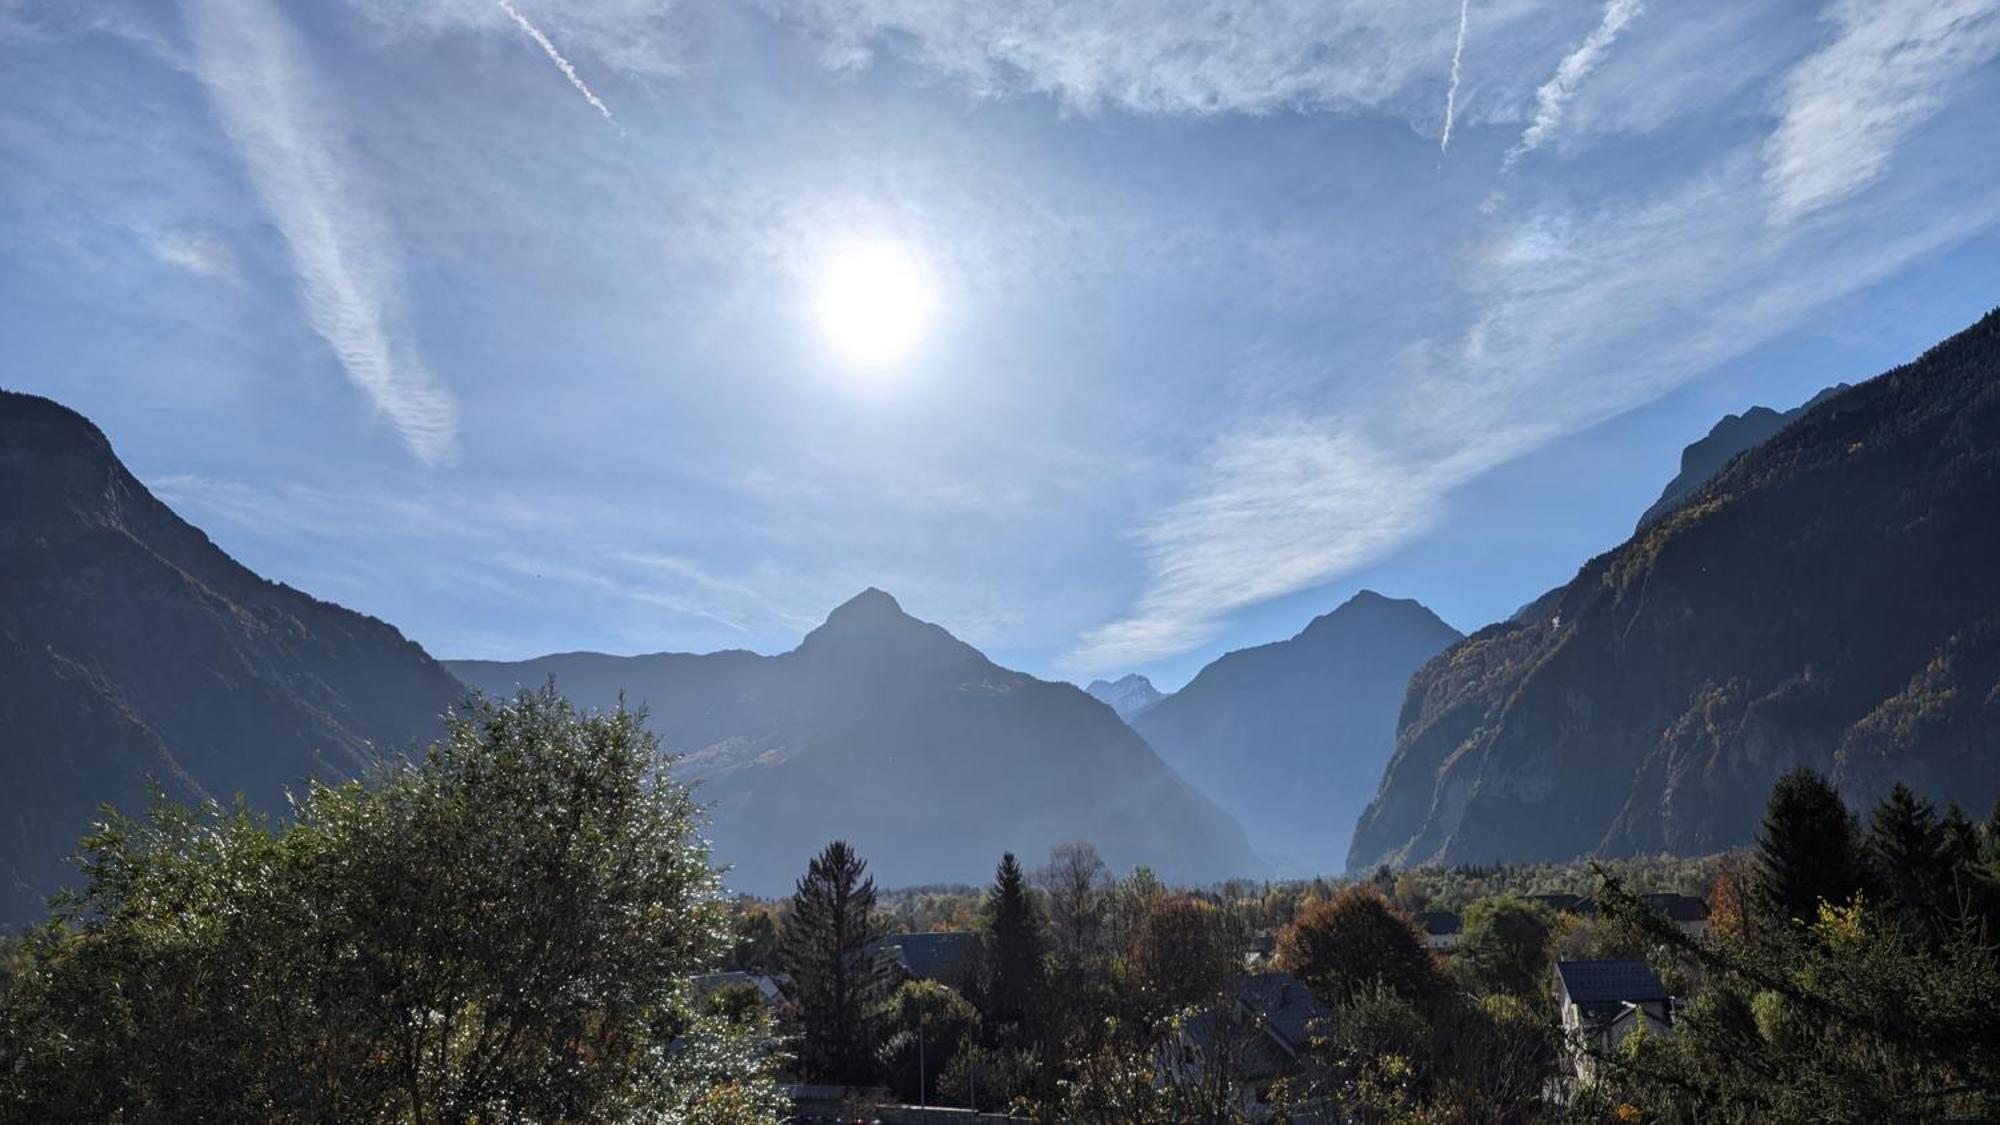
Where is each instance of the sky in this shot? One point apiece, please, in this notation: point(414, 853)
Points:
point(530, 325)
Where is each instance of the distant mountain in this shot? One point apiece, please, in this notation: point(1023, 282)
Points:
point(1832, 597)
point(131, 648)
point(1291, 737)
point(892, 734)
point(1128, 694)
point(1735, 434)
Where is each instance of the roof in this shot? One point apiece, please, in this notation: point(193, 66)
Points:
point(933, 956)
point(1287, 1008)
point(1678, 908)
point(1601, 987)
point(1438, 923)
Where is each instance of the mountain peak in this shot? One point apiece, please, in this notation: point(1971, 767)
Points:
point(1128, 695)
point(874, 622)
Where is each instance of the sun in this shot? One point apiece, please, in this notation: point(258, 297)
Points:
point(873, 301)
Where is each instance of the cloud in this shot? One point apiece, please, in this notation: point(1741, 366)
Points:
point(555, 56)
point(199, 252)
point(281, 121)
point(1888, 68)
point(1555, 94)
point(1451, 91)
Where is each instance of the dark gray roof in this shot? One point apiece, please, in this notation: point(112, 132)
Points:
point(935, 956)
point(1285, 1005)
point(1598, 986)
point(1438, 922)
point(1678, 908)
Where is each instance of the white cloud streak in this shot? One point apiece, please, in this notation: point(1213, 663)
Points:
point(1555, 94)
point(281, 122)
point(555, 56)
point(1888, 68)
point(1451, 91)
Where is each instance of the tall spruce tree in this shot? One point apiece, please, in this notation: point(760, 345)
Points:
point(1806, 853)
point(1017, 943)
point(1906, 852)
point(838, 979)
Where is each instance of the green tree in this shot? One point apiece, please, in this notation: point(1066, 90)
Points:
point(503, 928)
point(1178, 958)
point(928, 1024)
point(1905, 846)
point(1504, 946)
point(1806, 852)
point(836, 976)
point(1017, 943)
point(1355, 939)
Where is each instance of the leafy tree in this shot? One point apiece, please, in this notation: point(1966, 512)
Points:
point(928, 1025)
point(835, 974)
point(1017, 943)
point(1806, 852)
point(1075, 880)
point(503, 928)
point(1178, 958)
point(1354, 939)
point(1504, 946)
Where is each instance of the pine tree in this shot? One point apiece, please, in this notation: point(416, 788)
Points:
point(837, 979)
point(1806, 853)
point(1018, 943)
point(1905, 847)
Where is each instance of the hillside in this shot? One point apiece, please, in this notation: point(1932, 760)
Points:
point(898, 737)
point(1291, 737)
point(1829, 598)
point(1733, 435)
point(132, 648)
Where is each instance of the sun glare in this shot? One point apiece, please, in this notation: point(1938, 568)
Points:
point(873, 302)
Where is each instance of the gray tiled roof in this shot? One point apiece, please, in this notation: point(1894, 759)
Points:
point(933, 956)
point(1596, 986)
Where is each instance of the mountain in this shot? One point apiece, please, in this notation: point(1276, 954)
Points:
point(1291, 737)
point(1832, 597)
point(1128, 695)
point(132, 648)
point(1735, 434)
point(892, 734)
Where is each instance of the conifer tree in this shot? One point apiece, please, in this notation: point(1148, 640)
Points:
point(1018, 943)
point(1806, 853)
point(836, 976)
point(1905, 848)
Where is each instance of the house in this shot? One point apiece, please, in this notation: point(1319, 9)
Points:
point(944, 957)
point(1441, 929)
point(1685, 911)
point(767, 987)
point(1260, 1032)
point(1604, 1002)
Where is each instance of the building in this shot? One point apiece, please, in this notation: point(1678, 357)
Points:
point(1260, 1033)
point(1604, 1002)
point(943, 957)
point(767, 987)
point(1441, 929)
point(1685, 911)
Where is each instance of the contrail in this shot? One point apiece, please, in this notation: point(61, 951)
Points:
point(555, 57)
point(1451, 92)
point(1555, 94)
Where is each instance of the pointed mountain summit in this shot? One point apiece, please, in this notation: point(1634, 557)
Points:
point(1128, 695)
point(1291, 737)
point(1828, 599)
point(132, 648)
point(891, 733)
point(1728, 439)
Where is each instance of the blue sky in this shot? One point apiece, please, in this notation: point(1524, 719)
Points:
point(498, 320)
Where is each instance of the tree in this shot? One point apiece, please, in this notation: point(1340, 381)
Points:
point(837, 978)
point(1178, 958)
point(1806, 853)
point(1075, 880)
point(928, 1025)
point(1505, 944)
point(1905, 847)
point(1016, 943)
point(503, 928)
point(1354, 939)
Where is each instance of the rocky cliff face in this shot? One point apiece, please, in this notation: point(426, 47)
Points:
point(1829, 598)
point(892, 734)
point(132, 648)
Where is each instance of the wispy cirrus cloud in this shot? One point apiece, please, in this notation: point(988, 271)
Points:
point(282, 122)
point(1554, 95)
point(1457, 62)
point(1888, 67)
